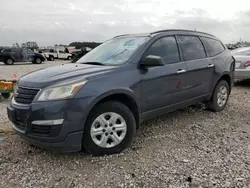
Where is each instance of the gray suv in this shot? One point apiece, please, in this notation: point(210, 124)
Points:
point(99, 102)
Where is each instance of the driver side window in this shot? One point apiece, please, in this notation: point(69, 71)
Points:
point(166, 48)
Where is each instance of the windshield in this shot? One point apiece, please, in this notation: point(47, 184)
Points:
point(241, 51)
point(115, 51)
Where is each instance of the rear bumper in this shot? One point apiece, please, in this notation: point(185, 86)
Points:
point(242, 74)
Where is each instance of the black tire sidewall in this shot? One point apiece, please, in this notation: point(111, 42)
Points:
point(213, 104)
point(51, 58)
point(118, 108)
point(37, 59)
point(8, 63)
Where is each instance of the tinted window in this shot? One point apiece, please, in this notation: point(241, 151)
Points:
point(241, 51)
point(213, 46)
point(6, 50)
point(166, 48)
point(192, 48)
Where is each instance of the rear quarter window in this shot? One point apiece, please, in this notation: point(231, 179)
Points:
point(213, 46)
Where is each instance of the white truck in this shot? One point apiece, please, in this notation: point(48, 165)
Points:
point(52, 54)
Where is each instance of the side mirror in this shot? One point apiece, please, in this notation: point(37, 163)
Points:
point(151, 61)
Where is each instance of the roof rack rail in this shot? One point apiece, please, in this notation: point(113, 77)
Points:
point(166, 30)
point(121, 35)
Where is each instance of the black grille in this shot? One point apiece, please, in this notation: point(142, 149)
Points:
point(41, 129)
point(46, 130)
point(25, 95)
point(21, 125)
point(21, 119)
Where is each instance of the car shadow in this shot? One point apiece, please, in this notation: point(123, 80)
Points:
point(242, 83)
point(24, 63)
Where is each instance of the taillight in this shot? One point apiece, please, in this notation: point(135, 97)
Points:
point(247, 64)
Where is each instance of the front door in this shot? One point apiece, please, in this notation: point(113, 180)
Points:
point(61, 54)
point(163, 86)
point(200, 67)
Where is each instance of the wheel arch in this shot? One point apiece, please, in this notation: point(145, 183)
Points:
point(122, 95)
point(226, 76)
point(9, 57)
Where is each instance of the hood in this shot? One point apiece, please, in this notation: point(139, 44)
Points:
point(48, 76)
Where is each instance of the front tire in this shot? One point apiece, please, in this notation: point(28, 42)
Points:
point(109, 129)
point(220, 97)
point(69, 58)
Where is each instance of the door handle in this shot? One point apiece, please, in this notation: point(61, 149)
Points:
point(181, 71)
point(210, 65)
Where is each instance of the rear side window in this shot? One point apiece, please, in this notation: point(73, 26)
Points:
point(166, 48)
point(192, 48)
point(213, 46)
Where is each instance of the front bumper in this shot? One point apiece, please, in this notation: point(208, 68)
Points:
point(64, 137)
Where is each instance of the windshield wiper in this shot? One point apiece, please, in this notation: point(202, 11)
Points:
point(93, 63)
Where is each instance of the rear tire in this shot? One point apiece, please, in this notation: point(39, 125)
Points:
point(115, 125)
point(5, 95)
point(220, 97)
point(69, 58)
point(9, 61)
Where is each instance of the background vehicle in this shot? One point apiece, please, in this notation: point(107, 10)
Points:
point(242, 65)
point(11, 55)
point(76, 55)
point(52, 54)
point(99, 103)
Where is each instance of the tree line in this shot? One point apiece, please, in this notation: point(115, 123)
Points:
point(79, 45)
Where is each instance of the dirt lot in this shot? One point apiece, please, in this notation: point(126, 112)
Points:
point(187, 148)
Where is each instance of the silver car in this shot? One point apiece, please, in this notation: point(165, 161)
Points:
point(242, 66)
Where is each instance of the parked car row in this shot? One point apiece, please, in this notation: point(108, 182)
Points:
point(99, 102)
point(9, 56)
point(52, 54)
point(242, 65)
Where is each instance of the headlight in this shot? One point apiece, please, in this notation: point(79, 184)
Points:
point(60, 91)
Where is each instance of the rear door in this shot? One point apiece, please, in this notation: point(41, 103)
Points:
point(17, 54)
point(200, 67)
point(163, 86)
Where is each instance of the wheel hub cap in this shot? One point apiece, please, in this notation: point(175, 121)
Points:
point(222, 96)
point(108, 130)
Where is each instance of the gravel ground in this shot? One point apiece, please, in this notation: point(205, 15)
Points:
point(187, 148)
